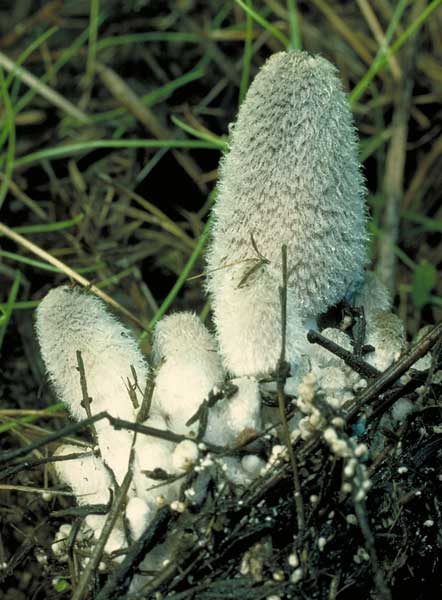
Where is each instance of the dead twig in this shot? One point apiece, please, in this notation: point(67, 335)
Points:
point(94, 561)
point(395, 168)
point(379, 578)
point(282, 370)
point(31, 464)
point(357, 364)
point(87, 400)
point(8, 455)
point(393, 373)
point(118, 583)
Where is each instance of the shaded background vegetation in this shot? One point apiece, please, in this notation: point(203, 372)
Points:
point(113, 116)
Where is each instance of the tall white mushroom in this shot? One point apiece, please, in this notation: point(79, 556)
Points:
point(291, 176)
point(71, 320)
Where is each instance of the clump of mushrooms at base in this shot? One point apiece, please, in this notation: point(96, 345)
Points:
point(290, 178)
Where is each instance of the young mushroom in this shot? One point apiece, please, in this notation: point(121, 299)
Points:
point(373, 296)
point(188, 368)
point(72, 323)
point(291, 176)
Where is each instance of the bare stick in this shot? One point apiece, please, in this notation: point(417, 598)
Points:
point(379, 578)
point(359, 330)
point(393, 185)
point(86, 402)
point(22, 241)
point(281, 376)
point(393, 373)
point(30, 464)
point(159, 433)
point(8, 455)
point(114, 513)
point(350, 359)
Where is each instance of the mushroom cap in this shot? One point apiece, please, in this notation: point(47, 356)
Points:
point(373, 296)
point(181, 332)
point(292, 176)
point(70, 320)
point(188, 368)
point(386, 333)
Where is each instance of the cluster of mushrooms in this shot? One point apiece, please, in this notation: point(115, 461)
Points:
point(291, 178)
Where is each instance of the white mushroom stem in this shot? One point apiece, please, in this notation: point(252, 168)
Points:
point(139, 514)
point(373, 296)
point(239, 414)
point(153, 453)
point(185, 456)
point(386, 333)
point(248, 320)
point(91, 484)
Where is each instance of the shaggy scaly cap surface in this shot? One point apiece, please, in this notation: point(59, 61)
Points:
point(69, 320)
point(291, 176)
point(189, 367)
point(248, 321)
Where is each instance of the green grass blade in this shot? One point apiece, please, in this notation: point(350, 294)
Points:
point(46, 227)
point(295, 32)
point(15, 423)
point(33, 46)
point(114, 278)
point(368, 146)
point(92, 45)
point(219, 142)
point(64, 58)
point(24, 305)
point(37, 264)
point(247, 56)
point(158, 95)
point(264, 23)
point(84, 147)
point(382, 58)
point(7, 311)
point(151, 36)
point(428, 223)
point(432, 298)
point(183, 275)
point(10, 129)
point(28, 261)
point(377, 232)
